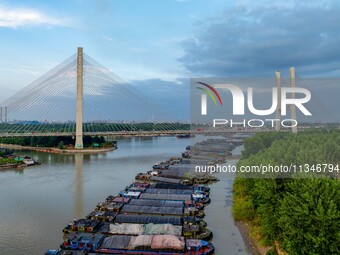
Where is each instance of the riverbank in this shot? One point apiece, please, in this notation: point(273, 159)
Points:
point(251, 243)
point(9, 166)
point(243, 214)
point(57, 150)
point(10, 161)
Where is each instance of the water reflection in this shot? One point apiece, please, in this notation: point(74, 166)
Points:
point(17, 170)
point(78, 211)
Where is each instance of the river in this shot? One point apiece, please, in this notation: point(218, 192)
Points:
point(37, 202)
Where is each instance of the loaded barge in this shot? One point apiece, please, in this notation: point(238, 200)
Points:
point(142, 244)
point(163, 216)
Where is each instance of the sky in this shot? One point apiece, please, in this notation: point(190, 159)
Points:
point(157, 46)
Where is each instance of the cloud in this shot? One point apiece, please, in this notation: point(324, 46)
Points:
point(171, 96)
point(257, 40)
point(22, 70)
point(18, 68)
point(21, 17)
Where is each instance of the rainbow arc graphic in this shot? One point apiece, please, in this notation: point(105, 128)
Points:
point(213, 94)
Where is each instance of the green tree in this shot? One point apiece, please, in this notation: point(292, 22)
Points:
point(61, 145)
point(310, 217)
point(33, 141)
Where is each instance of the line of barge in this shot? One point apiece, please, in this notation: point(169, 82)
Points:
point(159, 214)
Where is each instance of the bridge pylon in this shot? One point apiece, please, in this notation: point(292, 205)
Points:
point(79, 101)
point(278, 107)
point(292, 106)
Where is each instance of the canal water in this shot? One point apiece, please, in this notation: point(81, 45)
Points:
point(37, 202)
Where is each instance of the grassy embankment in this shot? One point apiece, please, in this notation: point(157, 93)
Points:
point(9, 161)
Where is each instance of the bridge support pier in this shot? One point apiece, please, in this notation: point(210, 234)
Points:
point(79, 102)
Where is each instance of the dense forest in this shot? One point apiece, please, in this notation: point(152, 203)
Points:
point(301, 213)
point(55, 141)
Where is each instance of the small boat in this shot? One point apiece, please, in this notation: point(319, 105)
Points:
point(190, 203)
point(104, 216)
point(83, 241)
point(109, 206)
point(81, 225)
point(186, 154)
point(131, 189)
point(153, 173)
point(201, 192)
point(140, 184)
point(201, 187)
point(161, 166)
point(65, 252)
point(185, 136)
point(135, 188)
point(191, 220)
point(143, 177)
point(131, 194)
point(196, 232)
point(193, 211)
point(200, 198)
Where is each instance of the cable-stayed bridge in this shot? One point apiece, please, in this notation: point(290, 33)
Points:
point(81, 97)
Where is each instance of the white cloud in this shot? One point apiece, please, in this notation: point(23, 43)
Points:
point(20, 17)
point(284, 3)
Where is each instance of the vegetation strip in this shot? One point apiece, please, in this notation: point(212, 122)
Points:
point(298, 215)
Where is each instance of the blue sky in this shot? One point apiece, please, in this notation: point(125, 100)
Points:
point(137, 40)
point(158, 45)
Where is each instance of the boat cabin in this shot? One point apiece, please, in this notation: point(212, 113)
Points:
point(83, 241)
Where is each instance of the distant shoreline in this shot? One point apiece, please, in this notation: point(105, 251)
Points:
point(56, 150)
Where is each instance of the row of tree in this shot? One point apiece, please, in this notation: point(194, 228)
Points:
point(53, 141)
point(301, 213)
point(89, 127)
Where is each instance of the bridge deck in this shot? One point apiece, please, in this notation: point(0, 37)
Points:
point(137, 133)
